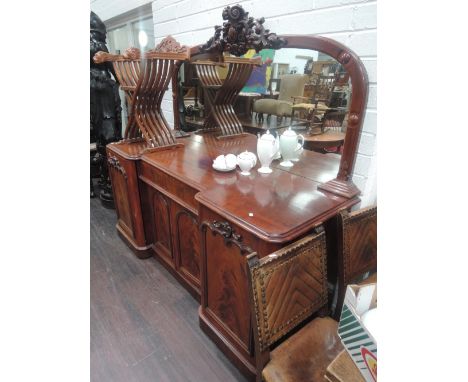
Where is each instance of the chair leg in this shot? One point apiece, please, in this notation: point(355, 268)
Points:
point(93, 194)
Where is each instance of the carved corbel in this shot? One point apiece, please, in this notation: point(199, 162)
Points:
point(114, 163)
point(230, 236)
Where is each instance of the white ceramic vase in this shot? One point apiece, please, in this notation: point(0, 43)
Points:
point(266, 151)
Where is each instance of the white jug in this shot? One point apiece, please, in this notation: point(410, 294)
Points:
point(266, 151)
point(289, 146)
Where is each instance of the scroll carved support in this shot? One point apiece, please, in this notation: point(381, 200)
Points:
point(230, 236)
point(114, 163)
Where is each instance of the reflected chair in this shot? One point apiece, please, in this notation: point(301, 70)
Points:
point(221, 93)
point(357, 250)
point(286, 288)
point(292, 85)
point(317, 105)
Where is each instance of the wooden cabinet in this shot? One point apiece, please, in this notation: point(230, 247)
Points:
point(201, 224)
point(160, 207)
point(124, 179)
point(187, 245)
point(171, 225)
point(225, 311)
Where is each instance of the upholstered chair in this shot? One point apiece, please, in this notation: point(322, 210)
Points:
point(357, 250)
point(292, 85)
point(287, 288)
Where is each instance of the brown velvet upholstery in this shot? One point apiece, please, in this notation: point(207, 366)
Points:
point(305, 355)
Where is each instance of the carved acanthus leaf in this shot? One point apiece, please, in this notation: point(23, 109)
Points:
point(132, 53)
point(230, 236)
point(102, 56)
point(169, 45)
point(240, 33)
point(114, 162)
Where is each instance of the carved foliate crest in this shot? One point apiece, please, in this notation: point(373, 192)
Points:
point(132, 53)
point(240, 33)
point(169, 45)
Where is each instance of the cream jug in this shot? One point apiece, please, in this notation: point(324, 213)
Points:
point(290, 146)
point(266, 151)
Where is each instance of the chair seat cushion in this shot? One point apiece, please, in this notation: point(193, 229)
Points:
point(272, 106)
point(310, 106)
point(305, 355)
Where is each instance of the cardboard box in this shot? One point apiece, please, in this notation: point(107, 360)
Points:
point(358, 342)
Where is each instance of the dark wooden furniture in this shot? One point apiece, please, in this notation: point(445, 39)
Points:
point(201, 224)
point(145, 83)
point(171, 201)
point(327, 140)
point(342, 184)
point(221, 94)
point(245, 104)
point(286, 288)
point(357, 249)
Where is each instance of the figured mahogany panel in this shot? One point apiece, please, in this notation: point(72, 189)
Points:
point(224, 299)
point(228, 293)
point(119, 178)
point(187, 243)
point(124, 179)
point(162, 224)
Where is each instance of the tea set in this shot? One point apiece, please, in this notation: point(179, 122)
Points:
point(288, 146)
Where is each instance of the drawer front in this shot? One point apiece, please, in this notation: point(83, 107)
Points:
point(172, 187)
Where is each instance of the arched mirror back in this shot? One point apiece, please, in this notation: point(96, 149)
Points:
point(342, 185)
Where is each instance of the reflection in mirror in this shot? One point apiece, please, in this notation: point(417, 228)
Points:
point(302, 88)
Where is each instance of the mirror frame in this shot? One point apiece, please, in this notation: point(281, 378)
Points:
point(342, 185)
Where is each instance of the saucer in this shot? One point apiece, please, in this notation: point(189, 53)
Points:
point(223, 169)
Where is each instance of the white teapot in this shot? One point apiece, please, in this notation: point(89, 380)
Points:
point(290, 146)
point(246, 161)
point(266, 151)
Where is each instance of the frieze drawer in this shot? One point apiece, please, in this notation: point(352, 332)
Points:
point(172, 187)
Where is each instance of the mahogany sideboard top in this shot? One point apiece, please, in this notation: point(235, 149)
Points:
point(276, 207)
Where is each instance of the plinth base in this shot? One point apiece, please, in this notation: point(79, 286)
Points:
point(340, 187)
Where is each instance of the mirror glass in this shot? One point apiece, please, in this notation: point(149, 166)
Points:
point(302, 88)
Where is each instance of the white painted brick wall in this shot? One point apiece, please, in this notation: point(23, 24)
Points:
point(107, 9)
point(351, 22)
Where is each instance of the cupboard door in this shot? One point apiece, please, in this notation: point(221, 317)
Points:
point(187, 241)
point(119, 178)
point(162, 224)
